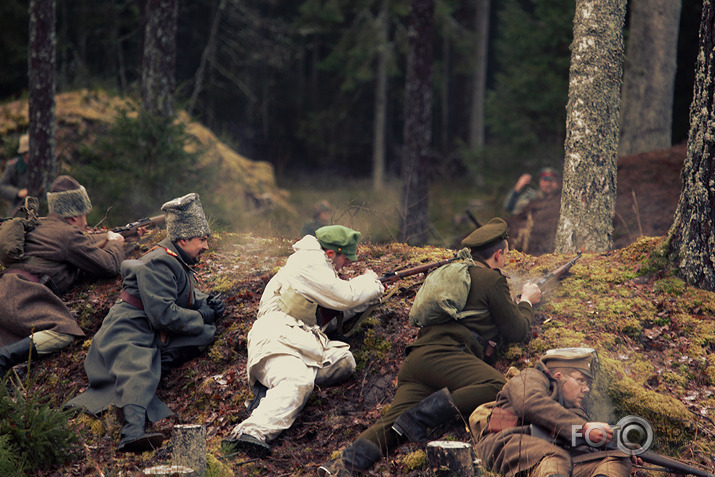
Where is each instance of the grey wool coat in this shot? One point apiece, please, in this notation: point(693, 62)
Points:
point(123, 364)
point(67, 255)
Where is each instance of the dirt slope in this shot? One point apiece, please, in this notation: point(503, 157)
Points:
point(655, 336)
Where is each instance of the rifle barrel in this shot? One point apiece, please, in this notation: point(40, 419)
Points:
point(397, 275)
point(674, 465)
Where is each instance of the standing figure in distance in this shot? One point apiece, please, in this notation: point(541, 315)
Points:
point(521, 195)
point(288, 352)
point(15, 178)
point(322, 213)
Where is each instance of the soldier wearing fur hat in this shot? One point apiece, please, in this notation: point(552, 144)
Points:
point(16, 178)
point(288, 350)
point(446, 373)
point(536, 414)
point(521, 195)
point(160, 321)
point(58, 254)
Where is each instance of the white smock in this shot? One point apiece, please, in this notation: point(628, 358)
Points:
point(289, 356)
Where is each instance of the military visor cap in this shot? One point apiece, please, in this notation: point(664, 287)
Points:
point(340, 239)
point(581, 359)
point(486, 235)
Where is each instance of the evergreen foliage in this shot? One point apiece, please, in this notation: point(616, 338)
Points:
point(33, 434)
point(138, 164)
point(526, 108)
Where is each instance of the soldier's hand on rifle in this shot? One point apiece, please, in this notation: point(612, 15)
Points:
point(216, 305)
point(597, 432)
point(531, 292)
point(114, 237)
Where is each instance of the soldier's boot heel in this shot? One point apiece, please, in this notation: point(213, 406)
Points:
point(434, 410)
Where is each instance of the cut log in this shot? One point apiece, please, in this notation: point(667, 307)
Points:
point(450, 458)
point(189, 447)
point(170, 471)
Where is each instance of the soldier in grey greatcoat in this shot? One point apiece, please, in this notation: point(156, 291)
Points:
point(16, 177)
point(58, 254)
point(161, 320)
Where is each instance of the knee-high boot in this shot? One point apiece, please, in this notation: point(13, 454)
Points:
point(357, 457)
point(134, 438)
point(16, 353)
point(436, 409)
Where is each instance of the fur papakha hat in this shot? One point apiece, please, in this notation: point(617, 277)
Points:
point(185, 218)
point(68, 198)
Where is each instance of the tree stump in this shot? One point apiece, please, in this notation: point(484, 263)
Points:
point(450, 458)
point(189, 447)
point(170, 471)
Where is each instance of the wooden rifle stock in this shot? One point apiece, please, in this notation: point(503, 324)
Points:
point(555, 274)
point(131, 228)
point(326, 314)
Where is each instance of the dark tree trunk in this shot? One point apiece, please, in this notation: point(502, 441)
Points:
point(418, 124)
point(379, 126)
point(159, 61)
point(479, 82)
point(691, 244)
point(589, 190)
point(41, 74)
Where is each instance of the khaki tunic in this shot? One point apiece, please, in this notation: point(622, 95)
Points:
point(535, 398)
point(449, 355)
point(67, 255)
point(123, 364)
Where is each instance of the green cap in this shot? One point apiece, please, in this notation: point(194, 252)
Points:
point(486, 235)
point(339, 238)
point(582, 359)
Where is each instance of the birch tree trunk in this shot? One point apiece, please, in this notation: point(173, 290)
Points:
point(41, 108)
point(379, 127)
point(691, 242)
point(476, 119)
point(159, 61)
point(649, 76)
point(589, 186)
point(418, 124)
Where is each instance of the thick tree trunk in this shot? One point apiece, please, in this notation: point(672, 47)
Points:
point(589, 186)
point(691, 244)
point(418, 124)
point(479, 83)
point(42, 162)
point(159, 61)
point(649, 76)
point(379, 128)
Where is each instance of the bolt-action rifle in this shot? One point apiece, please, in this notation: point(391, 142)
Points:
point(326, 314)
point(132, 227)
point(555, 275)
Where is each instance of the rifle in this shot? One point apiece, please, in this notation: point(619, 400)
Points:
point(554, 275)
point(675, 466)
point(326, 314)
point(131, 228)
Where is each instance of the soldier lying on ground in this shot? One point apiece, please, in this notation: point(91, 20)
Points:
point(33, 319)
point(161, 321)
point(445, 374)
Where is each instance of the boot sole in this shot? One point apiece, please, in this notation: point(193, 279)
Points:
point(145, 443)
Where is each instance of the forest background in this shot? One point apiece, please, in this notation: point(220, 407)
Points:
point(295, 84)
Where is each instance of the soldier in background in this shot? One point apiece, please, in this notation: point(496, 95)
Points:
point(521, 195)
point(16, 178)
point(322, 213)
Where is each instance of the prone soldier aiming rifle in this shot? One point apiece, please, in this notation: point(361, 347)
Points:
point(132, 228)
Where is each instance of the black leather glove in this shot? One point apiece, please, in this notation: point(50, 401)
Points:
point(216, 305)
point(207, 313)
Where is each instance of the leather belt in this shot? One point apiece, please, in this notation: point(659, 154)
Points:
point(132, 300)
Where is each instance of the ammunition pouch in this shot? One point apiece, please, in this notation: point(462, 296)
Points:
point(297, 306)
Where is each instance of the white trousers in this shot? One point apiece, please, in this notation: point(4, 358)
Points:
point(48, 341)
point(290, 381)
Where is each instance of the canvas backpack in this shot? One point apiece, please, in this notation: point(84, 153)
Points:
point(443, 295)
point(13, 230)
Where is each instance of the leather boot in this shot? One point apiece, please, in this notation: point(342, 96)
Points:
point(436, 409)
point(134, 437)
point(175, 357)
point(357, 457)
point(16, 353)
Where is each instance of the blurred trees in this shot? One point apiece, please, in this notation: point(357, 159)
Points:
point(307, 84)
point(649, 76)
point(159, 57)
